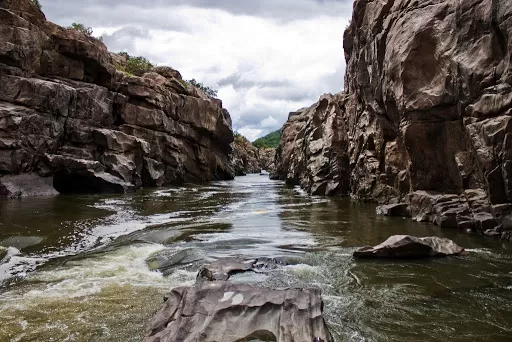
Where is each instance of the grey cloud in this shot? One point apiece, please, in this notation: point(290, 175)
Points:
point(239, 82)
point(253, 117)
point(115, 13)
point(291, 93)
point(124, 39)
point(112, 12)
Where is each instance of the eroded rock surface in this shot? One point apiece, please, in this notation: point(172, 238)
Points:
point(249, 159)
point(67, 113)
point(313, 148)
point(225, 312)
point(245, 157)
point(224, 268)
point(405, 246)
point(267, 158)
point(425, 117)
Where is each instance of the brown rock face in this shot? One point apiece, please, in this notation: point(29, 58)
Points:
point(245, 157)
point(425, 118)
point(67, 113)
point(267, 157)
point(313, 149)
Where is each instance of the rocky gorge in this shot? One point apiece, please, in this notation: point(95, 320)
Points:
point(71, 122)
point(423, 125)
point(249, 159)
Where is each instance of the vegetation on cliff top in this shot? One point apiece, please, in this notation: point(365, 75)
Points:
point(207, 90)
point(36, 2)
point(270, 140)
point(138, 66)
point(82, 28)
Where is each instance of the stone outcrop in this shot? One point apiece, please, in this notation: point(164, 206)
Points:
point(249, 159)
point(215, 310)
point(267, 158)
point(425, 117)
point(405, 246)
point(313, 148)
point(245, 157)
point(67, 113)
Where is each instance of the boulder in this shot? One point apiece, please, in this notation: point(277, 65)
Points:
point(6, 253)
point(399, 210)
point(225, 312)
point(25, 185)
point(405, 246)
point(224, 268)
point(3, 253)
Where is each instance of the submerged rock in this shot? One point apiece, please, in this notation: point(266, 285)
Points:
point(224, 268)
point(25, 185)
point(6, 253)
point(400, 210)
point(22, 242)
point(406, 246)
point(226, 312)
point(167, 260)
point(3, 253)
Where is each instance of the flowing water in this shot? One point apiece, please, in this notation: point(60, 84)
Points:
point(95, 268)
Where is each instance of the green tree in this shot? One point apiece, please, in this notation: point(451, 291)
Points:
point(82, 28)
point(270, 140)
point(36, 2)
point(207, 90)
point(138, 66)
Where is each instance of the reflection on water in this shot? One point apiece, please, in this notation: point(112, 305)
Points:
point(94, 268)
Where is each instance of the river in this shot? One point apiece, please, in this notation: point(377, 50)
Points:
point(95, 268)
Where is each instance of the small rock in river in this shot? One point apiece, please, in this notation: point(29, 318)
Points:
point(405, 246)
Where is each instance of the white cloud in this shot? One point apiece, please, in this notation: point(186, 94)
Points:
point(269, 122)
point(264, 67)
point(250, 133)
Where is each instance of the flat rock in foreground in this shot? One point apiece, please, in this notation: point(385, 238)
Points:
point(225, 312)
point(405, 246)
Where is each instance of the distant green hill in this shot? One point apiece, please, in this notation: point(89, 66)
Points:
point(270, 140)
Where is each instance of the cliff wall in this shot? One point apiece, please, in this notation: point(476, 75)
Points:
point(425, 117)
point(69, 118)
point(249, 159)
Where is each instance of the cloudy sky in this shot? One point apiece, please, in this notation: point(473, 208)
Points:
point(266, 57)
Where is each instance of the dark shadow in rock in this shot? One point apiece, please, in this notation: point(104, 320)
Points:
point(90, 183)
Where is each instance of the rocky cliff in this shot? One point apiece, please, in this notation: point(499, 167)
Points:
point(425, 117)
point(249, 159)
point(245, 157)
point(69, 118)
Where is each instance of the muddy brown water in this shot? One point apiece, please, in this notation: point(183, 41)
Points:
point(95, 268)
